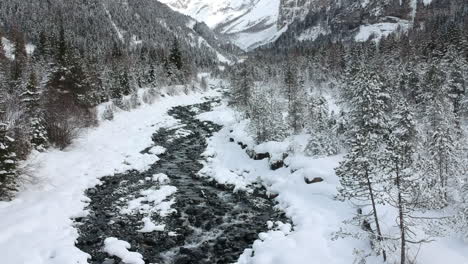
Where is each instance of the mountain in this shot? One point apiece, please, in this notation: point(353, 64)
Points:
point(247, 23)
point(99, 25)
point(253, 23)
point(346, 19)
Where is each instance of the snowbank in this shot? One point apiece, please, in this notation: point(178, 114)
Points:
point(37, 227)
point(315, 214)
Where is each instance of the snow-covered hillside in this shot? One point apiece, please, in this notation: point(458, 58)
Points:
point(248, 23)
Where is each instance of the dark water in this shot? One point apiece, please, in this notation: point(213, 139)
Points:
point(212, 224)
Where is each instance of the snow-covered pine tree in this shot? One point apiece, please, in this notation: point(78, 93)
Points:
point(242, 84)
point(20, 55)
point(460, 221)
point(323, 141)
point(295, 95)
point(440, 161)
point(266, 114)
point(175, 64)
point(7, 164)
point(359, 172)
point(31, 101)
point(401, 183)
point(455, 84)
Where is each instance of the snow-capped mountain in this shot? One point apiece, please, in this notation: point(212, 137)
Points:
point(253, 23)
point(247, 23)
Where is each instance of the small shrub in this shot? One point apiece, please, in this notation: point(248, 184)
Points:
point(108, 113)
point(64, 118)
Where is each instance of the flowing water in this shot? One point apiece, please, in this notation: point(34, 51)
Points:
point(211, 223)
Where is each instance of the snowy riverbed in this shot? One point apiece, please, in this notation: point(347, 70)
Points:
point(37, 226)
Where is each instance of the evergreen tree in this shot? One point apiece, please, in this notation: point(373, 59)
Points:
point(19, 62)
point(31, 101)
point(242, 85)
point(455, 85)
point(295, 95)
point(7, 164)
point(441, 159)
point(174, 64)
point(401, 182)
point(324, 141)
point(175, 57)
point(359, 173)
point(266, 114)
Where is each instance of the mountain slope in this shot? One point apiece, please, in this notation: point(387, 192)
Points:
point(98, 24)
point(247, 23)
point(253, 23)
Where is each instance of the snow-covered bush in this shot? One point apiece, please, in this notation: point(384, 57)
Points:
point(108, 113)
point(266, 112)
point(150, 95)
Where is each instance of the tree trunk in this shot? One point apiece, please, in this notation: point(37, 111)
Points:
point(376, 218)
point(401, 213)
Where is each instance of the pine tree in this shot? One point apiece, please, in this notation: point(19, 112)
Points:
point(2, 50)
point(295, 95)
point(402, 182)
point(20, 58)
point(7, 164)
point(30, 99)
point(174, 64)
point(242, 85)
point(266, 114)
point(455, 84)
point(441, 160)
point(324, 141)
point(359, 173)
point(175, 56)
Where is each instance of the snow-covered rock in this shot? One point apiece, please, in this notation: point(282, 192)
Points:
point(120, 248)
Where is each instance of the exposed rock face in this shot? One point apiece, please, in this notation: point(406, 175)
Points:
point(253, 23)
point(344, 19)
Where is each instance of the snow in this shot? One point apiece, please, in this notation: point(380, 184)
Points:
point(30, 48)
point(311, 207)
point(116, 28)
point(161, 178)
point(37, 226)
point(149, 226)
point(312, 33)
point(380, 30)
point(157, 150)
point(250, 40)
point(221, 57)
point(248, 23)
point(264, 12)
point(9, 48)
point(427, 2)
point(119, 248)
point(315, 213)
point(152, 200)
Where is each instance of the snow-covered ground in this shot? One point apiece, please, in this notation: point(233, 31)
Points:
point(380, 30)
point(315, 214)
point(37, 226)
